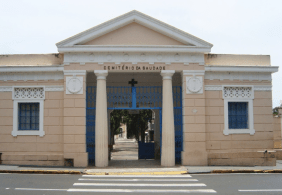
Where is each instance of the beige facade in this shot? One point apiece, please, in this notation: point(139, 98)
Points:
point(155, 54)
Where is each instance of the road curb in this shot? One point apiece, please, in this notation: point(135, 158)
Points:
point(42, 172)
point(136, 173)
point(140, 173)
point(247, 171)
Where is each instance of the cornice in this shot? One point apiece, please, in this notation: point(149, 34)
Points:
point(133, 48)
point(262, 69)
point(251, 76)
point(34, 76)
point(133, 57)
point(31, 68)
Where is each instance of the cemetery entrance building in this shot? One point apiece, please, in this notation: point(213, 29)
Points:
point(210, 109)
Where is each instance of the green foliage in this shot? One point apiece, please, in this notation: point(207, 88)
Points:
point(116, 119)
point(136, 123)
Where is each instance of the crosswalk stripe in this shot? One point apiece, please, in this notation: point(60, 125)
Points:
point(168, 180)
point(40, 189)
point(140, 184)
point(261, 190)
point(143, 190)
point(155, 176)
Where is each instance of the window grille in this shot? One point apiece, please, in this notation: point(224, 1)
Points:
point(238, 115)
point(29, 93)
point(28, 116)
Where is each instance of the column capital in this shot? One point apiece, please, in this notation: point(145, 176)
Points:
point(101, 74)
point(167, 74)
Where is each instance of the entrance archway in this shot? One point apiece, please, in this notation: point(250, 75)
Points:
point(137, 149)
point(133, 98)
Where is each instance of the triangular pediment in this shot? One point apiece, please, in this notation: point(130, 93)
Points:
point(133, 34)
point(137, 30)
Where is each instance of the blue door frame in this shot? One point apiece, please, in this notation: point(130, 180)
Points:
point(133, 98)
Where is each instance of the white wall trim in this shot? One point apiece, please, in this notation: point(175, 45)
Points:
point(17, 132)
point(54, 88)
point(213, 87)
point(47, 88)
point(133, 48)
point(250, 76)
point(250, 129)
point(133, 57)
point(263, 69)
point(6, 88)
point(74, 72)
point(263, 87)
point(193, 72)
point(31, 68)
point(256, 87)
point(33, 76)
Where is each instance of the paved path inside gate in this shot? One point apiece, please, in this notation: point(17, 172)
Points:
point(125, 149)
point(125, 155)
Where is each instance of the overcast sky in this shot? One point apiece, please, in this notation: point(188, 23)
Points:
point(233, 27)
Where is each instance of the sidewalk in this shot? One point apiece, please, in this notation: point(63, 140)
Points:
point(40, 170)
point(234, 169)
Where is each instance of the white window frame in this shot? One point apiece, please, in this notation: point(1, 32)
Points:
point(250, 129)
point(16, 130)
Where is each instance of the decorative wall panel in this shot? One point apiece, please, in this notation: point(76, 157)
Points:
point(29, 93)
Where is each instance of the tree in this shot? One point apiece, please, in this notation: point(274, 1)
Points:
point(136, 123)
point(115, 121)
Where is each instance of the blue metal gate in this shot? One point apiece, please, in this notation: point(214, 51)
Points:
point(134, 98)
point(90, 123)
point(178, 126)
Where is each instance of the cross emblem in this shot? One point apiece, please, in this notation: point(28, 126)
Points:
point(132, 82)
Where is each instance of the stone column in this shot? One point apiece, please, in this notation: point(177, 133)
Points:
point(101, 123)
point(168, 135)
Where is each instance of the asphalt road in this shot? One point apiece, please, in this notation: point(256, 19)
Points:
point(193, 184)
